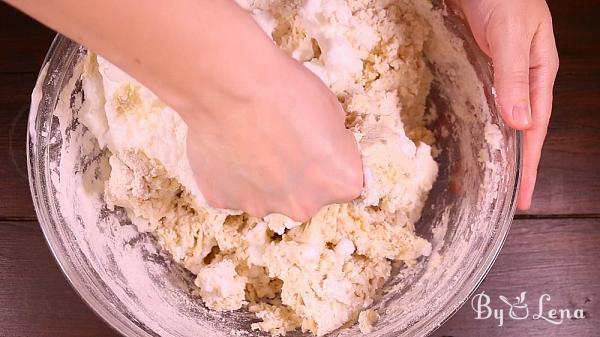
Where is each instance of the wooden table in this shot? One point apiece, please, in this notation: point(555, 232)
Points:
point(553, 249)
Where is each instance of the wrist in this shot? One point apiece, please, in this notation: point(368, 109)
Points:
point(202, 70)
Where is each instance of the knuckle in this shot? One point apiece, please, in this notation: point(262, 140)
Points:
point(299, 210)
point(346, 188)
point(348, 181)
point(509, 75)
point(496, 24)
point(253, 208)
point(555, 63)
point(256, 211)
point(355, 183)
point(519, 77)
point(301, 214)
point(353, 190)
point(548, 15)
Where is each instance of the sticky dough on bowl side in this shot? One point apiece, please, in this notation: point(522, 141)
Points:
point(137, 287)
point(315, 276)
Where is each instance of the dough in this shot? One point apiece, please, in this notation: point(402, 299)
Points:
point(314, 276)
point(366, 320)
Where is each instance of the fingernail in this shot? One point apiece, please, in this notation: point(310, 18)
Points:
point(521, 113)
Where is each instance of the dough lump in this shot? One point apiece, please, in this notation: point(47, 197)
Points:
point(315, 276)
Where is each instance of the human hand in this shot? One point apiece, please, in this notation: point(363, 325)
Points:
point(265, 134)
point(279, 146)
point(518, 36)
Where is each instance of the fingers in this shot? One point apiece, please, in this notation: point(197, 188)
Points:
point(525, 67)
point(343, 183)
point(510, 41)
point(350, 176)
point(544, 66)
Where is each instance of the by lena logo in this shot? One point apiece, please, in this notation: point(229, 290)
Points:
point(518, 309)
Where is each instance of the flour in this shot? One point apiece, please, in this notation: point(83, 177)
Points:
point(314, 276)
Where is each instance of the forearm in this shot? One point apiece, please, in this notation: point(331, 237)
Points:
point(173, 47)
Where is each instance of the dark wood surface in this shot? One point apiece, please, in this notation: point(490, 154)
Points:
point(554, 248)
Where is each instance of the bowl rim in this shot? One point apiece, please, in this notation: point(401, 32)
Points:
point(507, 208)
point(38, 193)
point(119, 322)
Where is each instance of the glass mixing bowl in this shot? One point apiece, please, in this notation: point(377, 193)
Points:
point(135, 287)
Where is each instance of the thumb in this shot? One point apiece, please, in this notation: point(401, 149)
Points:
point(510, 46)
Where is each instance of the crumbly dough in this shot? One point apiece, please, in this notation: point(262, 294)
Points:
point(367, 319)
point(313, 276)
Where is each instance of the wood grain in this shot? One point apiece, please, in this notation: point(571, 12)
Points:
point(558, 257)
point(576, 27)
point(569, 175)
point(15, 198)
point(24, 41)
point(35, 298)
